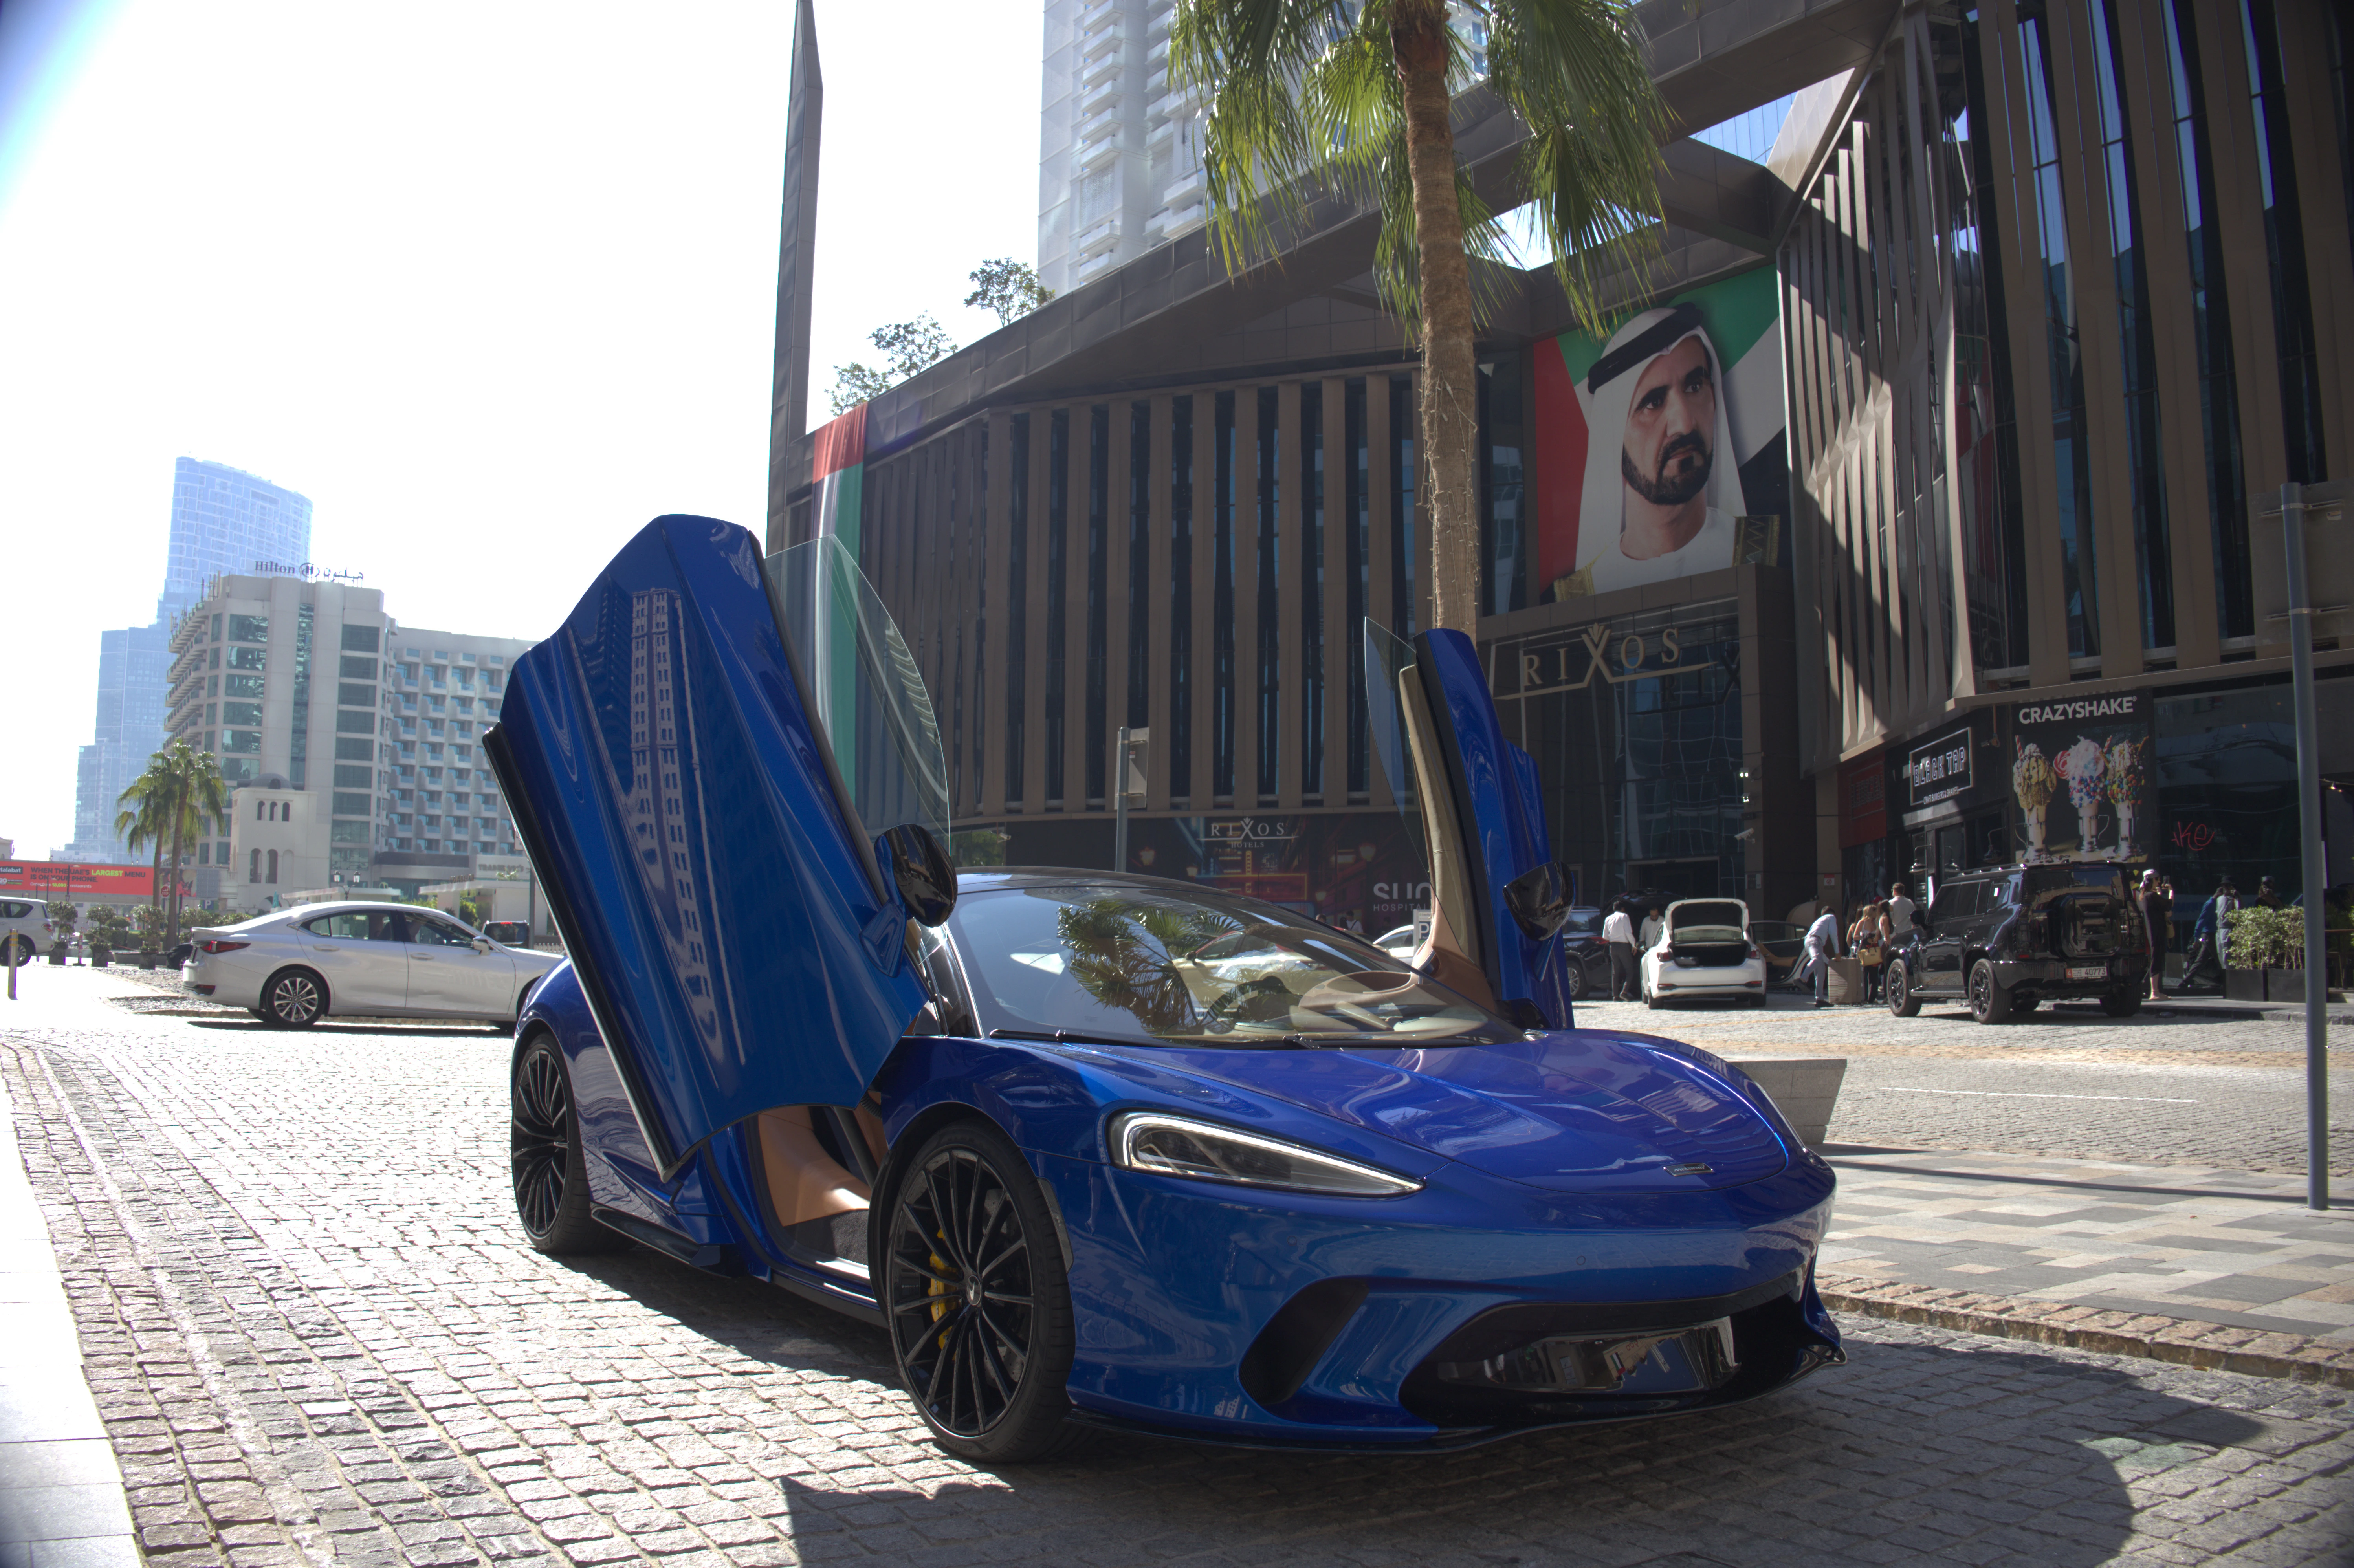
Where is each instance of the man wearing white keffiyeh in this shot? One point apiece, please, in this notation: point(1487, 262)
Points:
point(1660, 459)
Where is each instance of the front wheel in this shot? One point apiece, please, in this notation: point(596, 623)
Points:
point(1989, 1002)
point(979, 1306)
point(1578, 985)
point(17, 949)
point(294, 998)
point(544, 1156)
point(1902, 1002)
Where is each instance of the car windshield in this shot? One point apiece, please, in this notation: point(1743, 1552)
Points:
point(2044, 881)
point(1582, 922)
point(1121, 963)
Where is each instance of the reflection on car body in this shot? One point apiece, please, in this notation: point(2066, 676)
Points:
point(1095, 1150)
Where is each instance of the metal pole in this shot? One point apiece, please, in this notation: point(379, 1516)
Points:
point(2315, 869)
point(1120, 803)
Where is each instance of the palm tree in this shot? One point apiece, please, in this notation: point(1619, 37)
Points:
point(181, 789)
point(1352, 97)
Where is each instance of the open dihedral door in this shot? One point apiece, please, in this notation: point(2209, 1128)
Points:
point(697, 807)
point(1471, 803)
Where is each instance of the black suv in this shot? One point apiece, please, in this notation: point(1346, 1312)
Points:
point(2008, 938)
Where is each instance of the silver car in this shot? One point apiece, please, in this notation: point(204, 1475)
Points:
point(293, 966)
point(24, 929)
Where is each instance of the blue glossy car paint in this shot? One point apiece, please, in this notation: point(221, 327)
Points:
point(1588, 1170)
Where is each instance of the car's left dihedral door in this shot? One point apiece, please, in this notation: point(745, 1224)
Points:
point(1480, 820)
point(740, 942)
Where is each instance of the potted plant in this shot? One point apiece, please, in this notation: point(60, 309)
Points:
point(64, 918)
point(151, 932)
point(107, 932)
point(2264, 952)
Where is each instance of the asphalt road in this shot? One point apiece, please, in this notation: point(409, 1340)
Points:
point(316, 1336)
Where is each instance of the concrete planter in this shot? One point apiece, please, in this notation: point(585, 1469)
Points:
point(1803, 1088)
point(147, 957)
point(2269, 985)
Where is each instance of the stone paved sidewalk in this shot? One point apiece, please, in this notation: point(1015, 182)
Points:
point(316, 1338)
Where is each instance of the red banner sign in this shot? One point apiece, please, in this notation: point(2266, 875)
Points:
point(75, 879)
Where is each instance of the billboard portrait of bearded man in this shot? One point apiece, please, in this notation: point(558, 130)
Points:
point(1662, 492)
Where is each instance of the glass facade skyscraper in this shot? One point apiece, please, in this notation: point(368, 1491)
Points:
point(223, 519)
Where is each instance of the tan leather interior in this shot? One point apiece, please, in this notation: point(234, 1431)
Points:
point(805, 1182)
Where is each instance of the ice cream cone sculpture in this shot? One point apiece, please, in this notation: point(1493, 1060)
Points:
point(2085, 767)
point(2125, 789)
point(2032, 781)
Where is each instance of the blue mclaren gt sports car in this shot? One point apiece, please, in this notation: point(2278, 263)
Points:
point(1094, 1149)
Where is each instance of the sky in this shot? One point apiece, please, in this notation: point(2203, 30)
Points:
point(492, 283)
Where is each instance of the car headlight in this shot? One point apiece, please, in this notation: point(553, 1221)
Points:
point(1205, 1151)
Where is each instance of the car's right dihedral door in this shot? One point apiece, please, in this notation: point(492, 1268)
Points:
point(1472, 804)
point(699, 759)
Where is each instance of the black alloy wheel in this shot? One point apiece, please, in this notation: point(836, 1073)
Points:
point(294, 998)
point(18, 949)
point(1577, 982)
point(979, 1308)
point(1989, 1003)
point(551, 1179)
point(1901, 999)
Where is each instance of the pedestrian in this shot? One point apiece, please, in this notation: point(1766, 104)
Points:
point(1899, 909)
point(1822, 947)
point(1867, 938)
point(1652, 925)
point(1618, 933)
point(2207, 937)
point(2156, 921)
point(2266, 894)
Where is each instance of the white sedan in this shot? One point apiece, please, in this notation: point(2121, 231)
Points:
point(1704, 951)
point(293, 966)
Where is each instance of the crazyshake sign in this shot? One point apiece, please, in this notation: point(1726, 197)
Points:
point(2080, 778)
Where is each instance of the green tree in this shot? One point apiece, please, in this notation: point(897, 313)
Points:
point(907, 348)
point(1008, 287)
point(172, 803)
point(1352, 97)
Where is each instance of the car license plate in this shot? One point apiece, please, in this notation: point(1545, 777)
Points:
point(2089, 972)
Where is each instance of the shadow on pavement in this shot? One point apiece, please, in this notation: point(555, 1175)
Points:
point(1913, 1448)
point(351, 1026)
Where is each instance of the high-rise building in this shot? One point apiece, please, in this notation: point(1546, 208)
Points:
point(1120, 148)
point(223, 519)
point(350, 741)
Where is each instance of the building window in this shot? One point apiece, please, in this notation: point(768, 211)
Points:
point(1312, 588)
point(1140, 564)
point(2145, 454)
point(2284, 244)
point(1503, 525)
point(1356, 521)
point(1222, 601)
point(1017, 604)
point(1268, 731)
point(1098, 696)
point(272, 875)
point(253, 866)
point(1181, 597)
point(249, 629)
point(2211, 327)
point(1058, 520)
point(1402, 482)
point(2072, 447)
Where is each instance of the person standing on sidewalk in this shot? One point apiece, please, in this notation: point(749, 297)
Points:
point(1899, 910)
point(1618, 933)
point(1822, 945)
point(2207, 938)
point(1867, 938)
point(2156, 920)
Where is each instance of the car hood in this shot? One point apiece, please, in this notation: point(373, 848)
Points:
point(1566, 1110)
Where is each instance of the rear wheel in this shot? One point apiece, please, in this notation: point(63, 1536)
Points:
point(2122, 1003)
point(980, 1309)
point(1989, 1002)
point(294, 998)
point(1577, 982)
point(550, 1177)
point(18, 949)
point(1902, 1002)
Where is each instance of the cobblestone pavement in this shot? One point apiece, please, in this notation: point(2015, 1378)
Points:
point(2187, 1088)
point(315, 1337)
point(2216, 1245)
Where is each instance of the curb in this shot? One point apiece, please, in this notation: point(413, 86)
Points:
point(2184, 1341)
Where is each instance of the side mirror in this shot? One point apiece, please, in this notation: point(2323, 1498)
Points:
point(922, 871)
point(1539, 899)
point(482, 944)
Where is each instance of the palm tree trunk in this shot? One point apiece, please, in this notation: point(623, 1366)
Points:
point(1450, 434)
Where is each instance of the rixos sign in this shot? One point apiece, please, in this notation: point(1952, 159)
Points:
point(1601, 651)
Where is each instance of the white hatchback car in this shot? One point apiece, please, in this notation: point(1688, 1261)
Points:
point(293, 966)
point(1704, 950)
